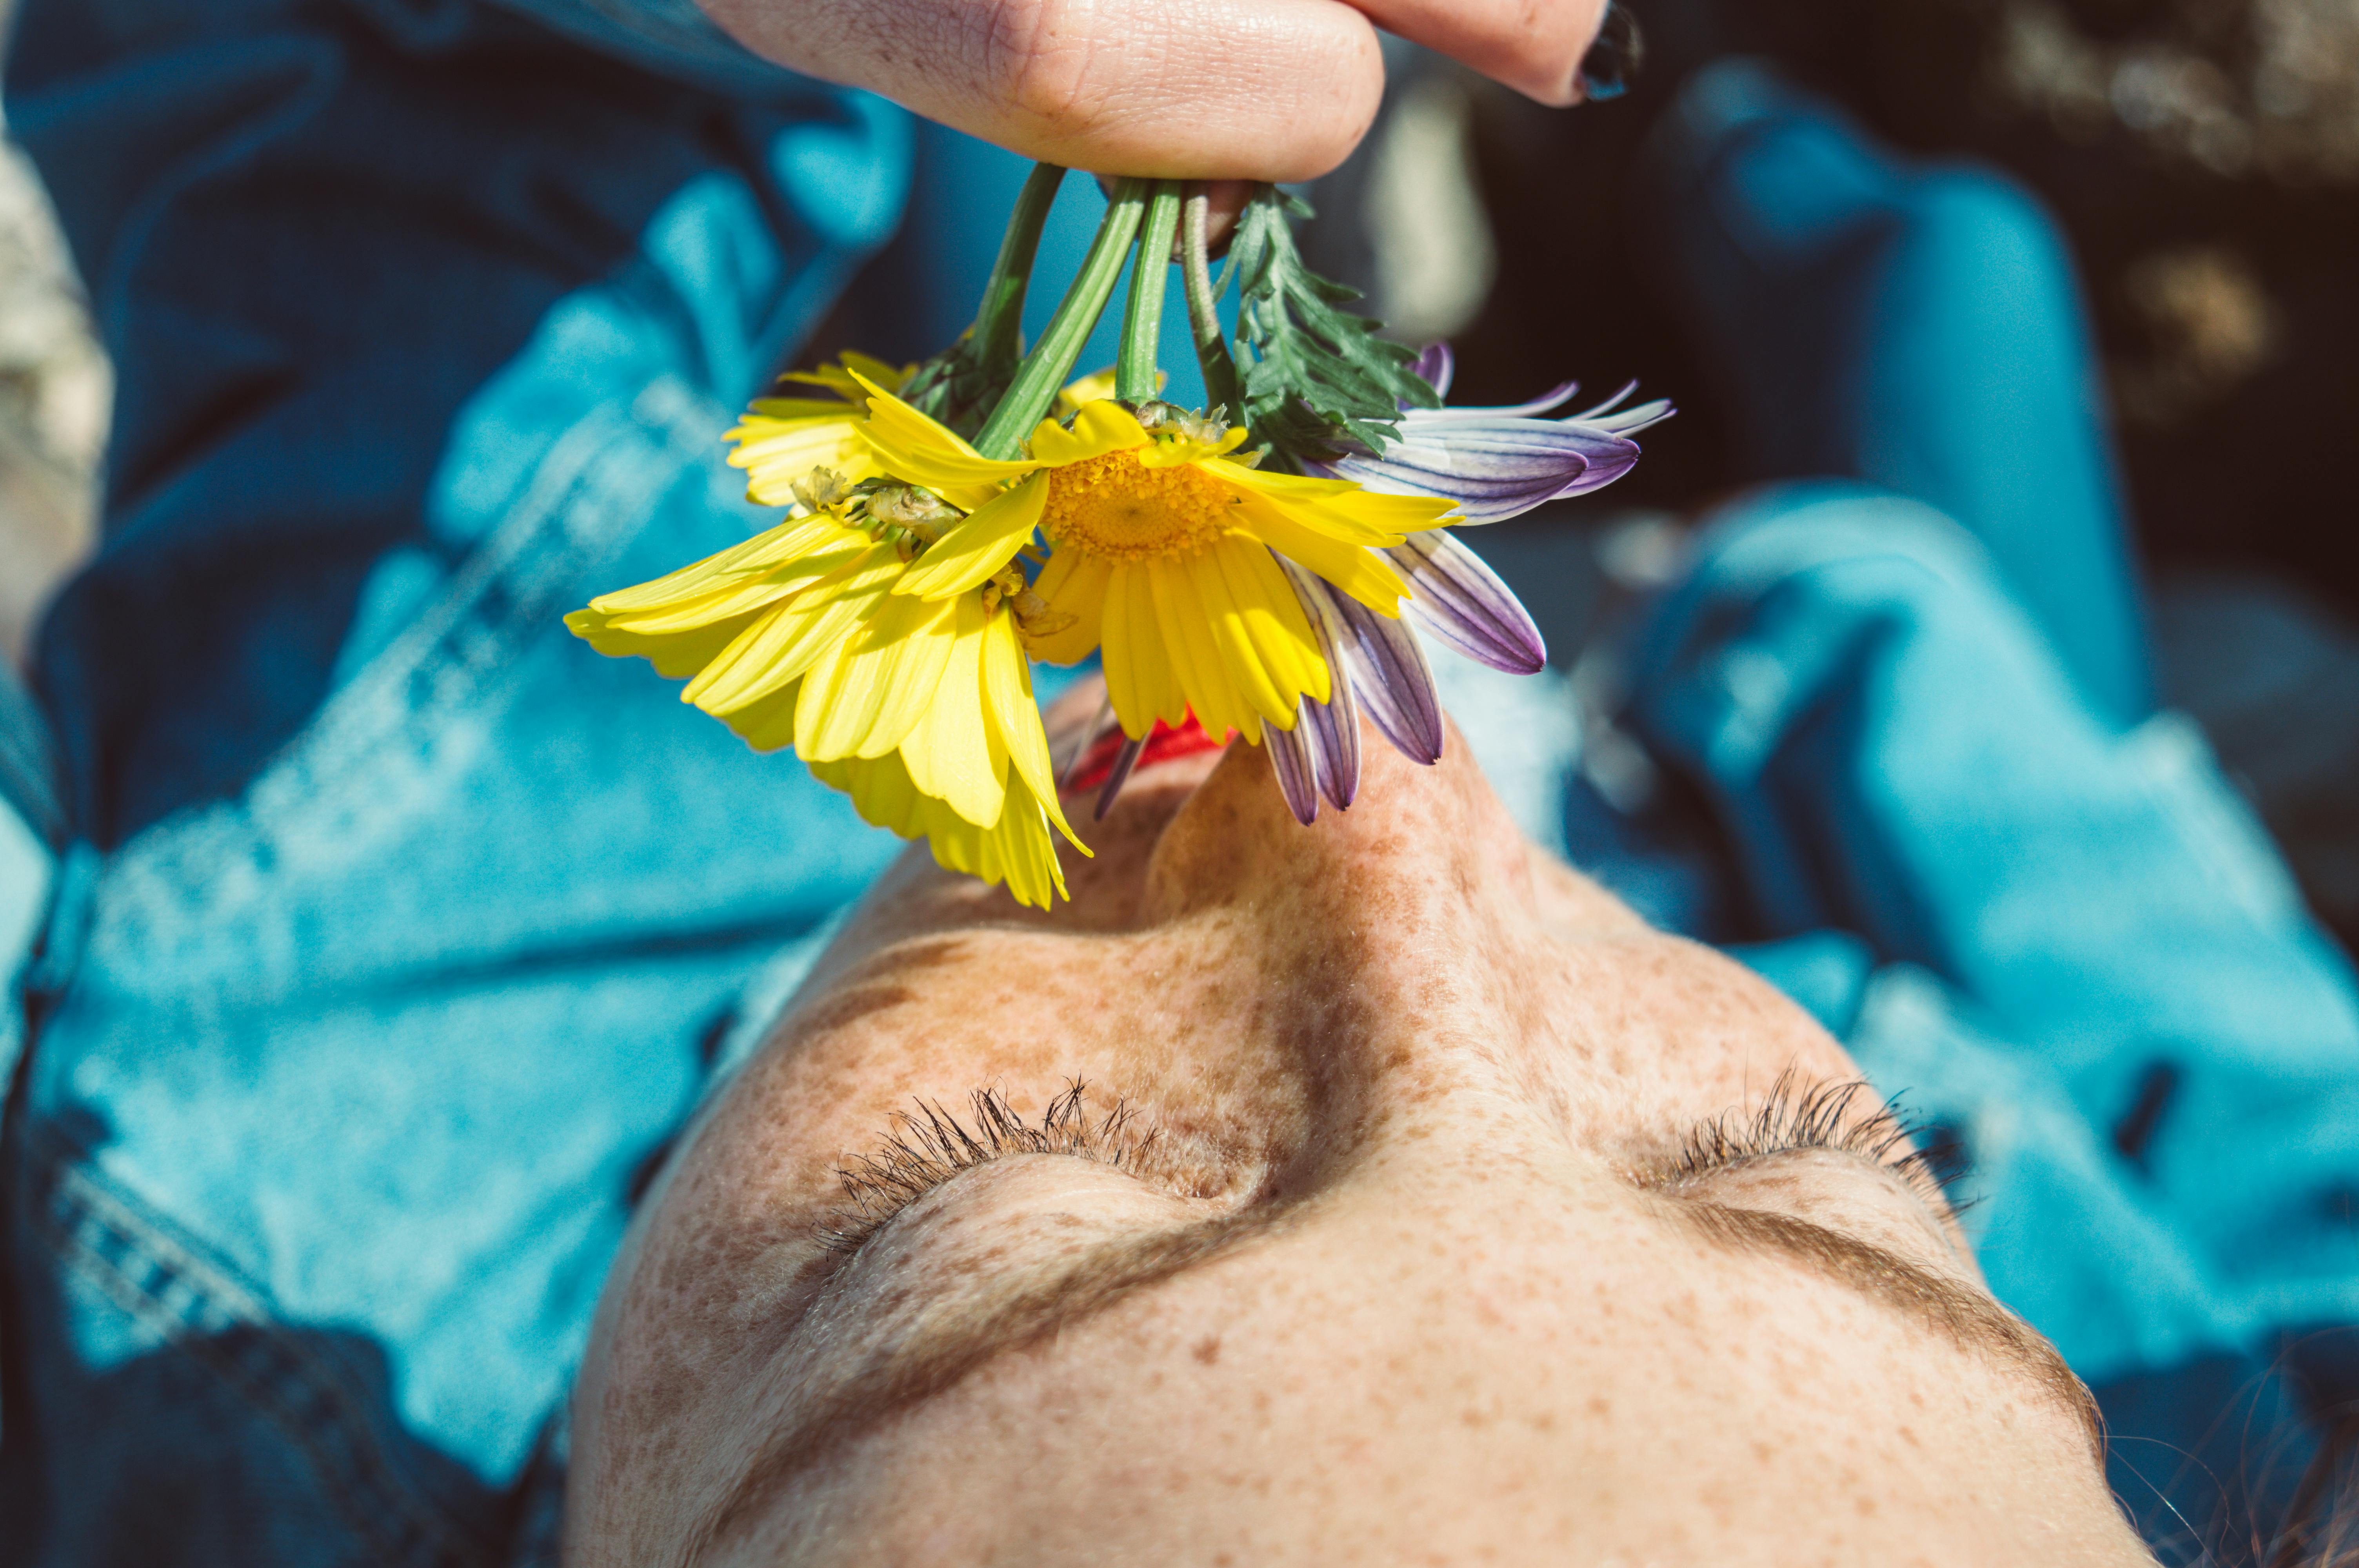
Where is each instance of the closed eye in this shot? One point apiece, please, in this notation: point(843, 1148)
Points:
point(931, 1144)
point(1823, 1116)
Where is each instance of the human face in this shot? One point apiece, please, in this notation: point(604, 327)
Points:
point(1408, 1249)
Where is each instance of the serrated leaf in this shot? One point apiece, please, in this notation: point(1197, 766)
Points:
point(1316, 378)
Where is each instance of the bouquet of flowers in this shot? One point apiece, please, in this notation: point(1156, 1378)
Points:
point(1259, 569)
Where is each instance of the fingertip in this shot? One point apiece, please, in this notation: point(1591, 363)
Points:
point(1278, 91)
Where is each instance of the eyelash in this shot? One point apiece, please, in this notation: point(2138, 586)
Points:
point(930, 1145)
point(1793, 1118)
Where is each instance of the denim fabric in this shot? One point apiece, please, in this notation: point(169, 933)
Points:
point(366, 993)
point(2090, 965)
point(1916, 327)
point(311, 231)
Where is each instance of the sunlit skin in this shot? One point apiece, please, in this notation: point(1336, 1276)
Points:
point(1425, 1294)
point(1216, 89)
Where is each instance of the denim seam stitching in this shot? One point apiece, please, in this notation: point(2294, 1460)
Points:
point(78, 1201)
point(593, 481)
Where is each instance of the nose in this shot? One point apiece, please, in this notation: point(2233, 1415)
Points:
point(1420, 845)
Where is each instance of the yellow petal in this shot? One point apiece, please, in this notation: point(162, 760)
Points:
point(1337, 506)
point(676, 655)
point(1013, 709)
point(919, 450)
point(1099, 428)
point(782, 644)
point(1095, 387)
point(1073, 584)
point(865, 694)
point(1195, 659)
point(1273, 621)
point(776, 459)
point(924, 633)
point(1259, 685)
point(893, 378)
point(978, 545)
point(840, 375)
point(768, 725)
point(768, 416)
point(1017, 849)
point(950, 751)
point(880, 791)
point(733, 595)
point(1360, 573)
point(789, 541)
point(727, 600)
point(1139, 677)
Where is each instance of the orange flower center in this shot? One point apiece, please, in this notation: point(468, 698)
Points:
point(1117, 506)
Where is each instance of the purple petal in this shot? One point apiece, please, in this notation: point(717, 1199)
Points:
point(1602, 472)
point(1390, 675)
point(1495, 469)
point(1392, 680)
point(1297, 771)
point(1434, 367)
point(1555, 397)
point(1590, 415)
point(1123, 760)
point(1333, 726)
point(1335, 739)
point(1630, 420)
point(1462, 604)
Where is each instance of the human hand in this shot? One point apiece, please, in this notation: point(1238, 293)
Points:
point(1274, 90)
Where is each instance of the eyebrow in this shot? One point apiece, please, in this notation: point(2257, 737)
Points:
point(1968, 1318)
point(944, 1351)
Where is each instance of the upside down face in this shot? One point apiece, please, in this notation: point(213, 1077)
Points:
point(1378, 1191)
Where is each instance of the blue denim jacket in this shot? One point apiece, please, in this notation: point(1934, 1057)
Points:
point(350, 1050)
point(359, 1002)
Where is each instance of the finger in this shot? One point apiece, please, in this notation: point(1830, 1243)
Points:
point(1532, 46)
point(1276, 90)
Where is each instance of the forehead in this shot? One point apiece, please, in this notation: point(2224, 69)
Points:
point(1389, 1347)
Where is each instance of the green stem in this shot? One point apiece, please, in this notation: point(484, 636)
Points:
point(999, 322)
point(1045, 368)
point(1203, 310)
point(1142, 324)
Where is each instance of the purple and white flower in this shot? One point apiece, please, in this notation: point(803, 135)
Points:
point(1495, 464)
point(1498, 463)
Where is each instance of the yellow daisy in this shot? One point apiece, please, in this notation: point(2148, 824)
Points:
point(780, 440)
point(920, 709)
point(1160, 553)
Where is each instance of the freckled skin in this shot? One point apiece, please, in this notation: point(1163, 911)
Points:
point(1440, 1063)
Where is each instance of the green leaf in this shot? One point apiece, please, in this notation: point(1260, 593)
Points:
point(1315, 376)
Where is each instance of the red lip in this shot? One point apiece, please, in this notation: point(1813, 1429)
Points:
point(1163, 744)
